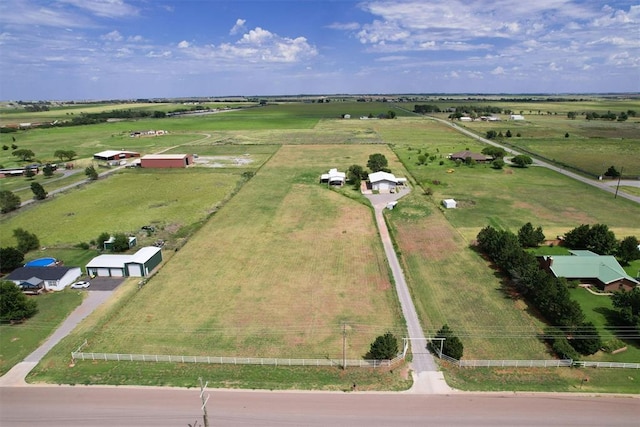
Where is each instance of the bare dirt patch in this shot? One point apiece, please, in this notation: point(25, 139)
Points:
point(433, 239)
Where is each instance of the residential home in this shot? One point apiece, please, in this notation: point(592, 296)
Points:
point(602, 271)
point(48, 278)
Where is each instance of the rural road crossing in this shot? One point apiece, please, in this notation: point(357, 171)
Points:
point(426, 377)
point(17, 374)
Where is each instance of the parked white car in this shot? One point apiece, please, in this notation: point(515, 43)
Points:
point(81, 285)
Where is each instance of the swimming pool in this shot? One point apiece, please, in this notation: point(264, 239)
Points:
point(41, 262)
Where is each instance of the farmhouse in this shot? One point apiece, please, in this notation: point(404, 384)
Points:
point(385, 182)
point(46, 278)
point(139, 264)
point(166, 160)
point(602, 271)
point(333, 177)
point(449, 203)
point(110, 155)
point(464, 155)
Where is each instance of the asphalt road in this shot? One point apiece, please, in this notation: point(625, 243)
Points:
point(108, 407)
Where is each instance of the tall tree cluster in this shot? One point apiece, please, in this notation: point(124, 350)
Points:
point(550, 295)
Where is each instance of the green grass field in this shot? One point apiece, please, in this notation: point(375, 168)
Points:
point(277, 270)
point(123, 203)
point(19, 340)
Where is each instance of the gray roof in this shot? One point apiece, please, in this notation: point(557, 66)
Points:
point(43, 273)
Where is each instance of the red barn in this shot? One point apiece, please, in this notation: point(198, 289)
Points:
point(166, 160)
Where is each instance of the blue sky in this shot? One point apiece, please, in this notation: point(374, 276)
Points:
point(114, 49)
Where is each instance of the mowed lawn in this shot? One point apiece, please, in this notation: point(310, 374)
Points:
point(123, 203)
point(275, 273)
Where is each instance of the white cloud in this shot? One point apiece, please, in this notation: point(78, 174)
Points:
point(350, 26)
point(183, 44)
point(105, 8)
point(238, 27)
point(498, 71)
point(113, 36)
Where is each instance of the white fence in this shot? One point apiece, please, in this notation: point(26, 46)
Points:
point(515, 363)
point(358, 363)
point(608, 365)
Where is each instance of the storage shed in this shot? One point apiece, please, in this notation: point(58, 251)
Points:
point(385, 182)
point(166, 160)
point(109, 155)
point(449, 203)
point(139, 264)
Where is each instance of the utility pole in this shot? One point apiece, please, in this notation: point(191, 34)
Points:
point(344, 346)
point(204, 403)
point(618, 186)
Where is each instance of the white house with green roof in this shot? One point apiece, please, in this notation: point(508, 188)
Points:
point(603, 271)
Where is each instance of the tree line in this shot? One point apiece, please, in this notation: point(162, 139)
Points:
point(571, 334)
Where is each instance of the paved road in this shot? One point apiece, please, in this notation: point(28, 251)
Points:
point(426, 377)
point(603, 185)
point(54, 406)
point(16, 375)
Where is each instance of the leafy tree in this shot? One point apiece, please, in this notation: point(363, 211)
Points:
point(38, 191)
point(491, 134)
point(597, 238)
point(566, 135)
point(522, 160)
point(559, 343)
point(495, 152)
point(10, 259)
point(91, 173)
point(530, 237)
point(628, 305)
point(26, 241)
point(377, 162)
point(384, 347)
point(47, 171)
point(120, 243)
point(508, 134)
point(29, 173)
point(422, 159)
point(571, 115)
point(8, 201)
point(391, 114)
point(612, 172)
point(5, 147)
point(24, 154)
point(585, 339)
point(63, 155)
point(452, 345)
point(103, 237)
point(497, 164)
point(628, 249)
point(14, 305)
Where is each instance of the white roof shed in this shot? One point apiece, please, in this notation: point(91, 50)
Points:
point(449, 203)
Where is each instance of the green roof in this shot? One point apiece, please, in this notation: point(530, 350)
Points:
point(586, 264)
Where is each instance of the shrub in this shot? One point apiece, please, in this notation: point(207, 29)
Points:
point(384, 347)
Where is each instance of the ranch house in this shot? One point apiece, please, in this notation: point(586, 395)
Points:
point(464, 155)
point(46, 278)
point(602, 271)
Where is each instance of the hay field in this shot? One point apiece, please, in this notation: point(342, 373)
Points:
point(452, 284)
point(273, 274)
